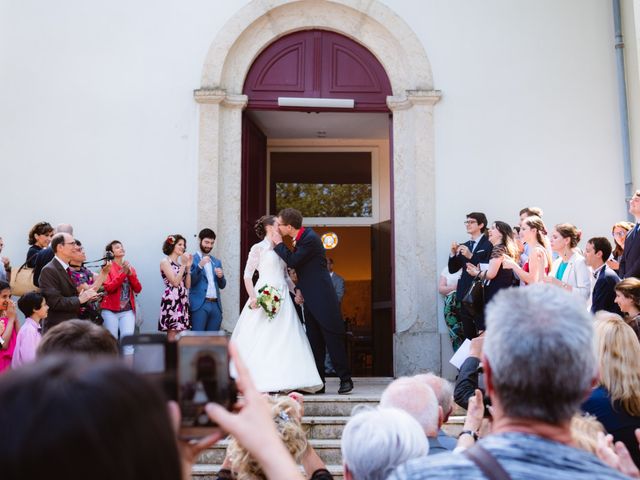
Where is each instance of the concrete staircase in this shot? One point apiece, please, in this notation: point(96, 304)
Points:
point(325, 418)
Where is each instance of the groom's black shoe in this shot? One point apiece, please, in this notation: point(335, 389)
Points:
point(345, 386)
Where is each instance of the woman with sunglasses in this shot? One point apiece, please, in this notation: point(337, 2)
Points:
point(83, 279)
point(619, 231)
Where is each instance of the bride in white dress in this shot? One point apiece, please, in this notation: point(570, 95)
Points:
point(276, 351)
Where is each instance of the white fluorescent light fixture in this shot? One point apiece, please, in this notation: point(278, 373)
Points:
point(316, 102)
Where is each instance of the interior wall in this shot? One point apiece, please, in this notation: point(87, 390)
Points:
point(352, 261)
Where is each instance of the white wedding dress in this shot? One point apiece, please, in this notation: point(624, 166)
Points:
point(277, 351)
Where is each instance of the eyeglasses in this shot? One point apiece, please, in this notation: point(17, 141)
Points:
point(467, 222)
point(70, 243)
point(619, 234)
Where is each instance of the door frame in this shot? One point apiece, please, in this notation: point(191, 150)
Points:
point(403, 56)
point(373, 146)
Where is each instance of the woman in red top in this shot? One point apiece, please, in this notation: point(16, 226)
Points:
point(119, 303)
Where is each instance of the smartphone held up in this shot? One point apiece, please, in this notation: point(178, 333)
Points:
point(193, 371)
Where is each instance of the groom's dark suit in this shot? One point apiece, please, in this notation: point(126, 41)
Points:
point(322, 313)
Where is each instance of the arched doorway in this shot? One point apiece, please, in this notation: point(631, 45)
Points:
point(340, 189)
point(398, 49)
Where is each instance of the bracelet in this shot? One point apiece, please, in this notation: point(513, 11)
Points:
point(469, 432)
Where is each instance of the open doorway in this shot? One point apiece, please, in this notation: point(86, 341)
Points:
point(340, 181)
point(317, 136)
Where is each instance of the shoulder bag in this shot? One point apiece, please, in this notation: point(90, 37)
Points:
point(22, 280)
point(487, 463)
point(474, 298)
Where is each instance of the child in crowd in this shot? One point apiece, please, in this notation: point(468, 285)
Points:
point(35, 308)
point(9, 326)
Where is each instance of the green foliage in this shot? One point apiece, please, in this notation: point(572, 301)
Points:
point(326, 200)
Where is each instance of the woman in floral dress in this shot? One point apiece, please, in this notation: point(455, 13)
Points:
point(174, 306)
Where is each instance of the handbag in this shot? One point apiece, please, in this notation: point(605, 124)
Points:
point(474, 298)
point(22, 281)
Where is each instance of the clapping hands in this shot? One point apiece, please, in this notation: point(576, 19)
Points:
point(87, 295)
point(186, 259)
point(11, 310)
point(616, 454)
point(508, 263)
point(472, 269)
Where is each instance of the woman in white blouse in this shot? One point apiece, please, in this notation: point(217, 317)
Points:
point(569, 270)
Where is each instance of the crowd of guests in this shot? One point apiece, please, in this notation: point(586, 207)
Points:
point(60, 286)
point(545, 362)
point(498, 256)
point(551, 384)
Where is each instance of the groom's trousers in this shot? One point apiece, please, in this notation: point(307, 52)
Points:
point(323, 340)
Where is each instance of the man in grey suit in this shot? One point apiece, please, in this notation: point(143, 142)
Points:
point(338, 286)
point(337, 280)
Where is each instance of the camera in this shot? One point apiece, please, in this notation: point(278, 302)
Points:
point(192, 371)
point(108, 256)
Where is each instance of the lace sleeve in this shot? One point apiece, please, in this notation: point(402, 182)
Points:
point(252, 261)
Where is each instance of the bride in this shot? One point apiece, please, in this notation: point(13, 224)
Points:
point(276, 351)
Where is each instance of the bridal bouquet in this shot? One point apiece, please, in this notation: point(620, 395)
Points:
point(269, 299)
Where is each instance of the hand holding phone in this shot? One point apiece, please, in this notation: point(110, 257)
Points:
point(202, 377)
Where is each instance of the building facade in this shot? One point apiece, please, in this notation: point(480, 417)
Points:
point(135, 121)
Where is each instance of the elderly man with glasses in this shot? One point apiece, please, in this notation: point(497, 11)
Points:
point(56, 285)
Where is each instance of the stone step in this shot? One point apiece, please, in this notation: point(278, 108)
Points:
point(209, 472)
point(327, 449)
point(330, 427)
point(325, 434)
point(324, 428)
point(336, 405)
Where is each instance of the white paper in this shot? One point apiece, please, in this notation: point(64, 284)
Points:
point(461, 354)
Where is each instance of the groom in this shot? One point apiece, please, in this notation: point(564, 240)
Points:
point(322, 313)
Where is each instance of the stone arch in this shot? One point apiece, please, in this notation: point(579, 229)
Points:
point(395, 45)
point(370, 23)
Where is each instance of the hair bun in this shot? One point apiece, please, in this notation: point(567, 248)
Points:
point(260, 228)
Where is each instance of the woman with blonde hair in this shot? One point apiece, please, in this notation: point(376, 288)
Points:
point(569, 271)
point(619, 231)
point(628, 299)
point(615, 402)
point(287, 415)
point(533, 233)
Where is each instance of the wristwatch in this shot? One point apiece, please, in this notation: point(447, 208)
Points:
point(469, 432)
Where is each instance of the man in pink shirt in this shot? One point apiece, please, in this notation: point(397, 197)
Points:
point(35, 308)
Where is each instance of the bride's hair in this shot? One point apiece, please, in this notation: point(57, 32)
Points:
point(286, 414)
point(261, 225)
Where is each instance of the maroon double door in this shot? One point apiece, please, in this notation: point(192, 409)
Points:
point(318, 64)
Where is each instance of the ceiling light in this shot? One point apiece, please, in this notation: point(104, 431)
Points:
point(316, 102)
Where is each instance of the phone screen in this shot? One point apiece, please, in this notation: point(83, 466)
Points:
point(150, 355)
point(149, 358)
point(203, 377)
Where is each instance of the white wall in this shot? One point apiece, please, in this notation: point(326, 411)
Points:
point(97, 97)
point(529, 111)
point(98, 126)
